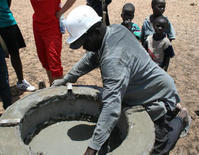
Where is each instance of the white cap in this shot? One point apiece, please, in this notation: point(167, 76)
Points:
point(79, 21)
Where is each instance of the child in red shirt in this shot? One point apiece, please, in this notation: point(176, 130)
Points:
point(48, 38)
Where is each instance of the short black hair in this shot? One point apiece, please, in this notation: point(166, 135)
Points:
point(162, 18)
point(154, 2)
point(128, 7)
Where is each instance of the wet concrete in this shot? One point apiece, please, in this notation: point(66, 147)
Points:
point(71, 137)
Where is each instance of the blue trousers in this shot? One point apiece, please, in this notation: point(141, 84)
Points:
point(5, 93)
point(167, 131)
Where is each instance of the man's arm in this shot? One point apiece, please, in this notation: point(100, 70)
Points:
point(66, 6)
point(115, 81)
point(85, 65)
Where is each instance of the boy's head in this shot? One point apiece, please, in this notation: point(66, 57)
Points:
point(160, 25)
point(128, 11)
point(158, 7)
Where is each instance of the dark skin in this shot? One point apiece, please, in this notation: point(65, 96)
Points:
point(65, 7)
point(90, 151)
point(16, 60)
point(158, 9)
point(9, 2)
point(91, 41)
point(166, 63)
point(127, 15)
point(160, 26)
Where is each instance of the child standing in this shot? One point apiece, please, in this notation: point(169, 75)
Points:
point(158, 45)
point(48, 38)
point(13, 38)
point(127, 15)
point(158, 7)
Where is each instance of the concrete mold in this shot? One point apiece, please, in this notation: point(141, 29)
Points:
point(22, 121)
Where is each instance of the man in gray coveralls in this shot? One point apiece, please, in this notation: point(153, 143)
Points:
point(129, 75)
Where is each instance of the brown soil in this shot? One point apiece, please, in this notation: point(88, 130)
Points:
point(184, 67)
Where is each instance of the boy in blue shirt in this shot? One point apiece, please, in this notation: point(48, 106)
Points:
point(158, 7)
point(127, 15)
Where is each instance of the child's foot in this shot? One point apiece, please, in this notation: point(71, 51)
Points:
point(25, 86)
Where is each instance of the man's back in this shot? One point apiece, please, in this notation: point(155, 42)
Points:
point(124, 59)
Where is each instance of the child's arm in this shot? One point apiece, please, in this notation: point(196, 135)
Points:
point(142, 35)
point(171, 32)
point(145, 45)
point(66, 6)
point(169, 53)
point(165, 64)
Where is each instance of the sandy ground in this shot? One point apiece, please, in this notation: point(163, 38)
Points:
point(184, 67)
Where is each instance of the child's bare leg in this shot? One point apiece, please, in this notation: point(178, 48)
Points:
point(51, 78)
point(17, 65)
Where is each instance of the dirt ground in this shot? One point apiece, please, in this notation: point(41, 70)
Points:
point(184, 67)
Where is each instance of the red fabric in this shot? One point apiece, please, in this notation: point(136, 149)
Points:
point(48, 38)
point(44, 14)
point(49, 52)
point(152, 55)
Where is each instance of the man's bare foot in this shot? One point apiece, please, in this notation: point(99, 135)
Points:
point(178, 106)
point(186, 121)
point(183, 114)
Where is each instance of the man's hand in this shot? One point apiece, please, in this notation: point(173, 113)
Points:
point(58, 82)
point(90, 151)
